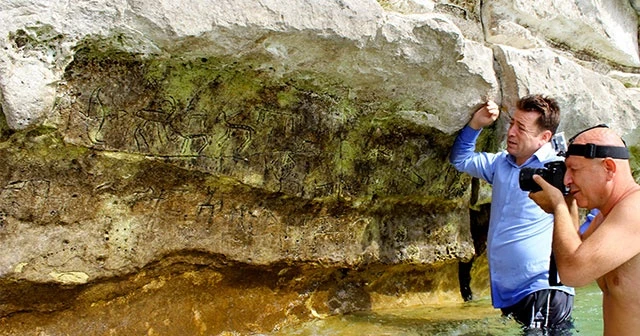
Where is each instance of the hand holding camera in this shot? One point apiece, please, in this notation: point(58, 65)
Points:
point(553, 173)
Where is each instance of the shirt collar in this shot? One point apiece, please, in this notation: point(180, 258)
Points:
point(543, 154)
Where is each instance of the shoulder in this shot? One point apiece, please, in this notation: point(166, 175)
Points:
point(626, 209)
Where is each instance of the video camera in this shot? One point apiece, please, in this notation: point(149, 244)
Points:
point(553, 172)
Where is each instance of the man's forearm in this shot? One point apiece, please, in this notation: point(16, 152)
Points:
point(464, 145)
point(566, 241)
point(573, 210)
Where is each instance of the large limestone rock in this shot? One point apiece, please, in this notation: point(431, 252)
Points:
point(290, 157)
point(606, 29)
point(586, 97)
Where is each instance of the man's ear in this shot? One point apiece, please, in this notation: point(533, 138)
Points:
point(610, 166)
point(546, 136)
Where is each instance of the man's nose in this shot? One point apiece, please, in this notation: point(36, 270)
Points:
point(567, 179)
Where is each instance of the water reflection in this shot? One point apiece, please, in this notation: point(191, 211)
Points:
point(464, 319)
point(472, 318)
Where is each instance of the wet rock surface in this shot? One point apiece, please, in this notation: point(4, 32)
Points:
point(216, 167)
point(122, 236)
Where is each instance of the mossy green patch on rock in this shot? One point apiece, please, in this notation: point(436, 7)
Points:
point(288, 174)
point(108, 213)
point(36, 37)
point(299, 133)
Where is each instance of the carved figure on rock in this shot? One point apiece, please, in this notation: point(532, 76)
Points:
point(152, 125)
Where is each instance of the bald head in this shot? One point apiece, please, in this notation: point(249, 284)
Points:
point(598, 142)
point(600, 136)
point(598, 171)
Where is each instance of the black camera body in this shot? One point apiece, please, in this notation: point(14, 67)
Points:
point(553, 172)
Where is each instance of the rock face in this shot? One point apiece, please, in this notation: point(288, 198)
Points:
point(221, 166)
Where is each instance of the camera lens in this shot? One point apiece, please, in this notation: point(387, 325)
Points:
point(553, 172)
point(526, 178)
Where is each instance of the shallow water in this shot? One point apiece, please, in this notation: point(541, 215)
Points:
point(588, 310)
point(471, 318)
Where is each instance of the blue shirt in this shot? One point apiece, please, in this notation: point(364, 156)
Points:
point(590, 216)
point(520, 232)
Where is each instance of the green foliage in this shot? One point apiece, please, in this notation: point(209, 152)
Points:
point(634, 161)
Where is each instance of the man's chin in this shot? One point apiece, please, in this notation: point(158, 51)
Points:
point(582, 203)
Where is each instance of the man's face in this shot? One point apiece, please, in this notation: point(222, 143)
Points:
point(583, 177)
point(524, 137)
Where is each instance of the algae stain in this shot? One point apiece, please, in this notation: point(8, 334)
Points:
point(287, 98)
point(38, 37)
point(302, 133)
point(40, 143)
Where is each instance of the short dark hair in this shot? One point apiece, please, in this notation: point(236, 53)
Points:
point(547, 107)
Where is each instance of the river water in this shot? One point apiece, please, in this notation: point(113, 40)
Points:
point(471, 318)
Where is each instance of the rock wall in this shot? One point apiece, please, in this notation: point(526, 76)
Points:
point(290, 157)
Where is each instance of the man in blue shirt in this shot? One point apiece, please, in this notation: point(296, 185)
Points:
point(520, 232)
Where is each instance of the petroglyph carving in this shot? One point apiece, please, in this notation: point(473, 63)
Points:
point(283, 168)
point(209, 208)
point(162, 127)
point(415, 178)
point(152, 124)
point(190, 124)
point(231, 128)
point(97, 116)
point(95, 110)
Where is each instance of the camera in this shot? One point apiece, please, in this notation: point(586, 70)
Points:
point(559, 143)
point(553, 172)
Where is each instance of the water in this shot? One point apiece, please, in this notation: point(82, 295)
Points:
point(588, 310)
point(472, 318)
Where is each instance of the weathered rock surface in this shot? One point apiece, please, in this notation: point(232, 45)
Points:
point(603, 29)
point(219, 166)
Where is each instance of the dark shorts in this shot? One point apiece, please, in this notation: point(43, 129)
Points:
point(544, 309)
